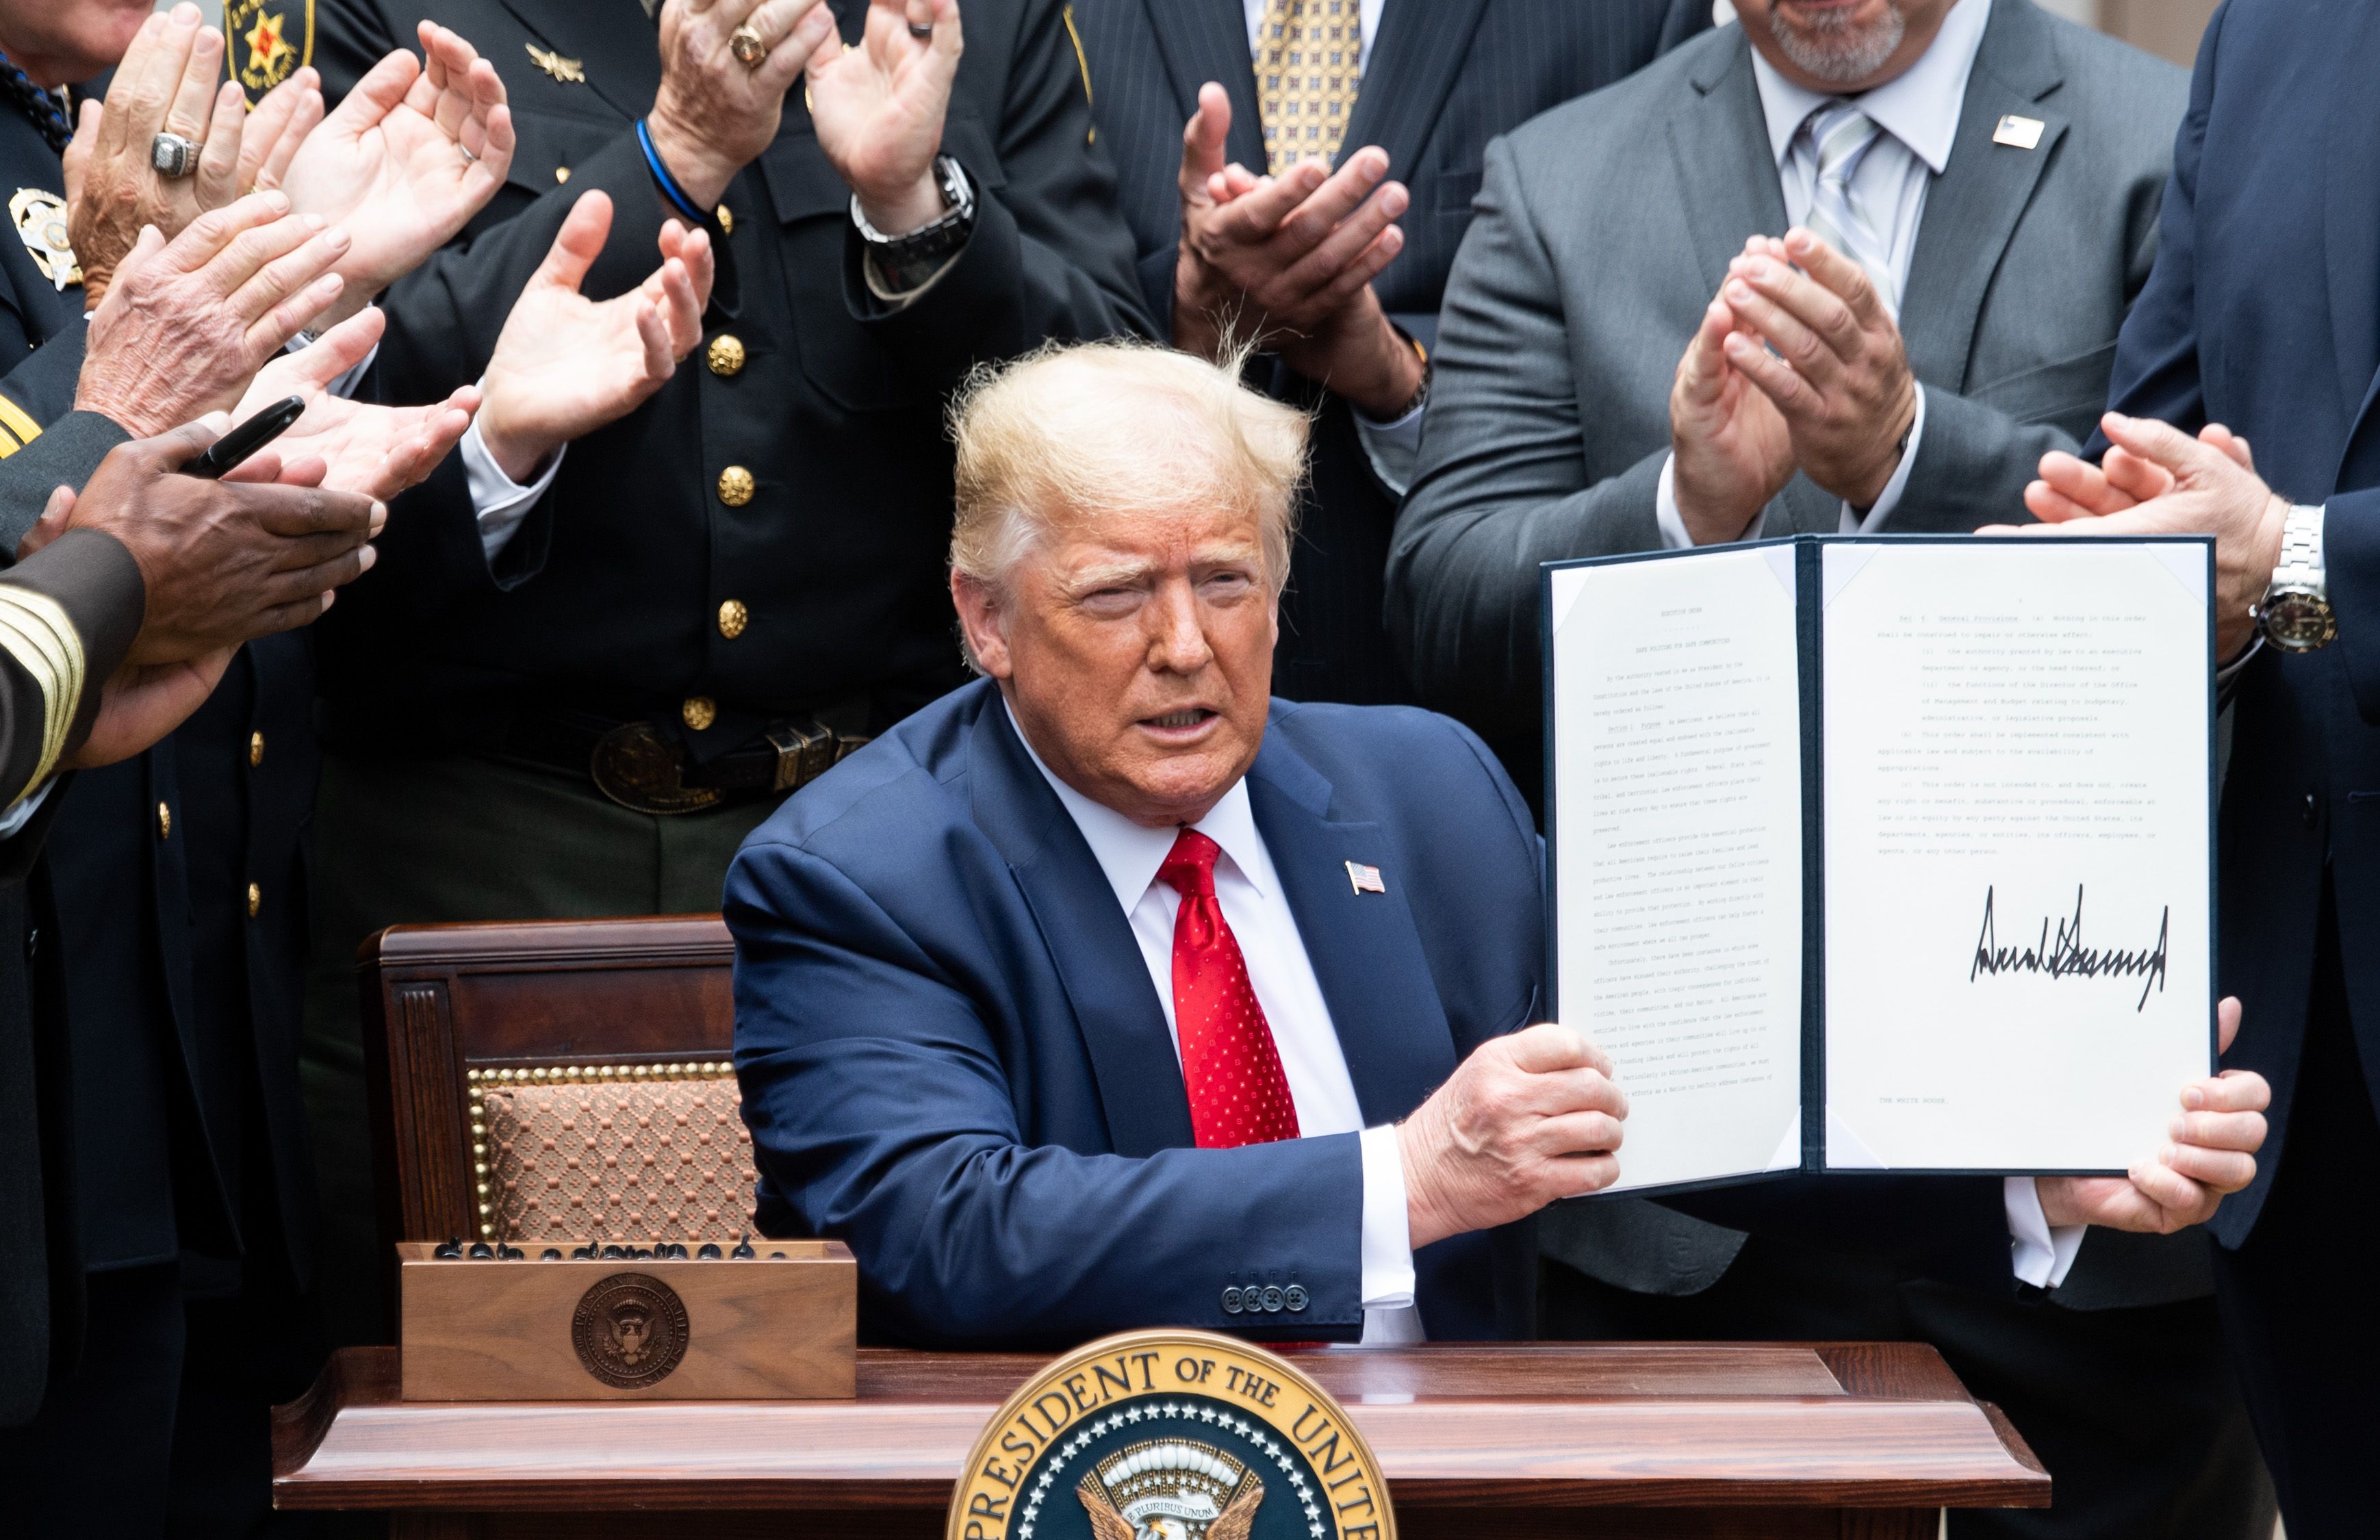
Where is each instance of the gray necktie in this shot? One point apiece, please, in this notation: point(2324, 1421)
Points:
point(1841, 136)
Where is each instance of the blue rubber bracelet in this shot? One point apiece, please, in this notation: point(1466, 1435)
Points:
point(670, 189)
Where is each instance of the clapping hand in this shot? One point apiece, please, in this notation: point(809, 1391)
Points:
point(412, 153)
point(189, 322)
point(566, 365)
point(166, 83)
point(1813, 334)
point(1287, 264)
point(359, 447)
point(879, 109)
point(2158, 481)
point(1731, 448)
point(2213, 1153)
point(714, 114)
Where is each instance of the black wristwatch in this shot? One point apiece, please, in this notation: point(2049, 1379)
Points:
point(906, 262)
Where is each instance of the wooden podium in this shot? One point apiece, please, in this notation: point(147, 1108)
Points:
point(1547, 1441)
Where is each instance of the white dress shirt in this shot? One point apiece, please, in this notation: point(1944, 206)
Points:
point(1320, 1087)
point(1918, 112)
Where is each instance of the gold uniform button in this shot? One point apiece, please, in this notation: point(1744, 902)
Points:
point(736, 486)
point(255, 749)
point(561, 174)
point(726, 356)
point(733, 618)
point(255, 901)
point(726, 220)
point(699, 711)
point(164, 822)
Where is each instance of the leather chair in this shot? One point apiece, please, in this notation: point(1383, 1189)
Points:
point(555, 1081)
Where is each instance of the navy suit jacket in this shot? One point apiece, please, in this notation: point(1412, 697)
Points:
point(1442, 79)
point(2263, 313)
point(952, 1057)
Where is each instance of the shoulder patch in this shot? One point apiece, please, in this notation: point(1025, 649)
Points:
point(267, 42)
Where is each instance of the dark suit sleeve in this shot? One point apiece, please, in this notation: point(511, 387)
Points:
point(1501, 485)
point(879, 1105)
point(1050, 256)
point(351, 36)
point(63, 456)
point(44, 386)
point(67, 618)
point(2156, 371)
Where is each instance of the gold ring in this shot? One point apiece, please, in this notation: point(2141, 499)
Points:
point(748, 46)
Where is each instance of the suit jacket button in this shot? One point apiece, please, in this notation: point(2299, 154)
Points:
point(2310, 816)
point(733, 618)
point(255, 901)
point(255, 749)
point(1230, 1302)
point(699, 712)
point(1294, 1297)
point(561, 174)
point(725, 356)
point(726, 220)
point(1272, 1298)
point(164, 822)
point(736, 486)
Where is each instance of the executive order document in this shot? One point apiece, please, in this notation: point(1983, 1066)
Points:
point(1884, 853)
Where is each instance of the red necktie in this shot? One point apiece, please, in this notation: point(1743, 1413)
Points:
point(1238, 1094)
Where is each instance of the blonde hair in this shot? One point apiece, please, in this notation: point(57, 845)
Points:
point(1074, 431)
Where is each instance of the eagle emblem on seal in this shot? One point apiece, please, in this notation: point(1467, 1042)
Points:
point(1171, 1489)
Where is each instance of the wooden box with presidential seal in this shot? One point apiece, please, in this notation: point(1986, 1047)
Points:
point(757, 1320)
point(1171, 1435)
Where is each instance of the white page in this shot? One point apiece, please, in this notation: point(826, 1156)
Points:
point(2022, 721)
point(1677, 796)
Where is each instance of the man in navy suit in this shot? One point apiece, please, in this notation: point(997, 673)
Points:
point(2260, 325)
point(1338, 261)
point(1107, 993)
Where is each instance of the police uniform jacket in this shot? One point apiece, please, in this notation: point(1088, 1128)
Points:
point(767, 534)
point(181, 1007)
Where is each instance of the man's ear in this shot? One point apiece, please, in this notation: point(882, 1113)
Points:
point(979, 612)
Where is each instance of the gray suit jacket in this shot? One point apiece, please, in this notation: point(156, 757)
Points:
point(1604, 227)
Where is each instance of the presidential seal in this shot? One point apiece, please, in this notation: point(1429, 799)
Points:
point(1170, 1436)
point(630, 1331)
point(41, 217)
point(269, 40)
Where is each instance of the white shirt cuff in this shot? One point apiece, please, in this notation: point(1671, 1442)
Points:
point(1889, 499)
point(22, 813)
point(2041, 1256)
point(1387, 1242)
point(499, 502)
point(2231, 671)
point(1394, 448)
point(343, 387)
point(1665, 510)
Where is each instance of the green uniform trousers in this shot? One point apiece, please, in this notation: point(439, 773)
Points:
point(460, 837)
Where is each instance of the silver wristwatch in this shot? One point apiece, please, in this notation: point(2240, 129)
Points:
point(2295, 612)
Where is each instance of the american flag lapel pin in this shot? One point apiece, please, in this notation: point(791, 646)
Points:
point(1363, 879)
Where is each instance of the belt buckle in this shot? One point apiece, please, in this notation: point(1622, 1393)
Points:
point(804, 753)
point(643, 772)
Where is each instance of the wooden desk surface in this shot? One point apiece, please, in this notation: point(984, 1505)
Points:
point(1536, 1427)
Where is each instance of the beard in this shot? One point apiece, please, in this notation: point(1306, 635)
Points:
point(1836, 48)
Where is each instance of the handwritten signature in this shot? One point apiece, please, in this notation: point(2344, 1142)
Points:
point(2063, 955)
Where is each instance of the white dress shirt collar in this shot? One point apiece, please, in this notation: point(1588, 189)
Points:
point(1920, 107)
point(1130, 853)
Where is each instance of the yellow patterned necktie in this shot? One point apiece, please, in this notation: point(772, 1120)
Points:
point(1308, 65)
